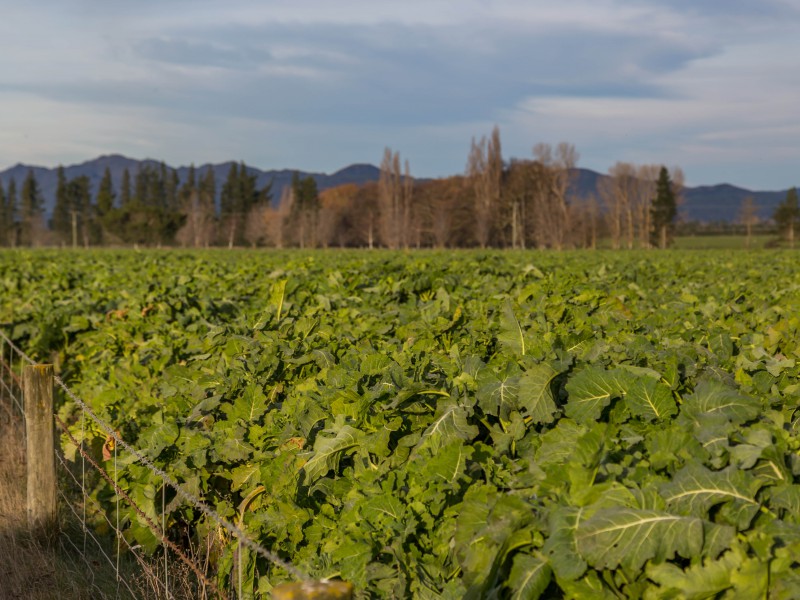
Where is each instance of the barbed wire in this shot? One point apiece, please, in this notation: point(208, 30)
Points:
point(137, 509)
point(99, 546)
point(87, 532)
point(235, 531)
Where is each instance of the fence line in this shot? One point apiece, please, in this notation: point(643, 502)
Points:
point(235, 531)
point(243, 539)
point(14, 380)
point(159, 531)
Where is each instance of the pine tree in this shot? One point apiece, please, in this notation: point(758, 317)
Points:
point(11, 213)
point(105, 194)
point(125, 188)
point(5, 225)
point(230, 206)
point(84, 226)
point(141, 185)
point(208, 189)
point(61, 222)
point(664, 209)
point(31, 211)
point(787, 216)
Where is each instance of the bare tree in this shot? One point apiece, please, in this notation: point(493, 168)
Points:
point(198, 229)
point(394, 201)
point(524, 196)
point(617, 192)
point(748, 216)
point(562, 172)
point(585, 222)
point(278, 219)
point(485, 172)
point(256, 229)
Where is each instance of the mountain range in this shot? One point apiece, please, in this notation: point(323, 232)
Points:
point(707, 204)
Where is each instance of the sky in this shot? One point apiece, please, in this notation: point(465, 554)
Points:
point(711, 86)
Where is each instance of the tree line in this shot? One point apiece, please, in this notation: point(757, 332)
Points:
point(520, 203)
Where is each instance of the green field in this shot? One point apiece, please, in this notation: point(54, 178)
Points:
point(723, 242)
point(446, 424)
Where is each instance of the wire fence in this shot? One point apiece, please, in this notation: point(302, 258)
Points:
point(11, 378)
point(77, 480)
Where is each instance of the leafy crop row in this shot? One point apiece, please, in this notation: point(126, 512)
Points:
point(448, 424)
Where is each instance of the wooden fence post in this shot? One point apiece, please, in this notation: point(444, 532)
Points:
point(314, 590)
point(37, 389)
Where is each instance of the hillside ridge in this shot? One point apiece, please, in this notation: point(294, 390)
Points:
point(704, 203)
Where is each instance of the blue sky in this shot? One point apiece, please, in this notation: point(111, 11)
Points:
point(712, 86)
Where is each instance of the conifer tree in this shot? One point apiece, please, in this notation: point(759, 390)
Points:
point(305, 209)
point(61, 219)
point(32, 225)
point(125, 188)
point(105, 194)
point(787, 216)
point(5, 225)
point(11, 213)
point(84, 226)
point(664, 209)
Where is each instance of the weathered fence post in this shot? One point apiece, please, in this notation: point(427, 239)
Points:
point(314, 590)
point(37, 389)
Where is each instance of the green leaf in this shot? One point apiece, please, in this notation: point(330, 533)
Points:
point(245, 475)
point(535, 393)
point(630, 537)
point(233, 450)
point(529, 577)
point(497, 393)
point(650, 399)
point(276, 297)
point(328, 451)
point(449, 463)
point(157, 437)
point(250, 406)
point(511, 334)
point(695, 489)
point(352, 557)
point(592, 389)
point(450, 424)
point(712, 397)
point(561, 545)
point(697, 582)
point(383, 510)
point(786, 497)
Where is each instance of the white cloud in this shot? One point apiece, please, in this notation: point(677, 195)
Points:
point(315, 84)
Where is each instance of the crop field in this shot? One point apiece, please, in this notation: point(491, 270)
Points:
point(444, 424)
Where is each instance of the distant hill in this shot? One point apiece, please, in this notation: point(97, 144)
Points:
point(94, 170)
point(705, 203)
point(716, 203)
point(721, 203)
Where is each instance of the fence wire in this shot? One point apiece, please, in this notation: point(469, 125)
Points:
point(12, 363)
point(235, 531)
